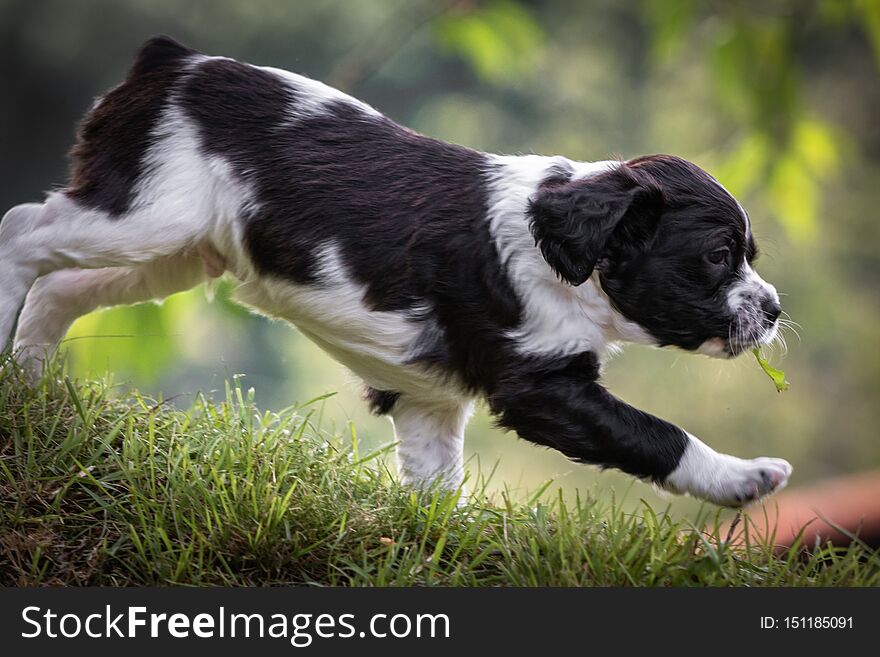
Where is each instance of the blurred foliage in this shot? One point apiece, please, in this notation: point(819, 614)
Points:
point(500, 39)
point(778, 98)
point(757, 84)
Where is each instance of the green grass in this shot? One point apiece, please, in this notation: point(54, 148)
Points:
point(100, 485)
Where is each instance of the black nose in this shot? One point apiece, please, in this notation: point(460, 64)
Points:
point(771, 310)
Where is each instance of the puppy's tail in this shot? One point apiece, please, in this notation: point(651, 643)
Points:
point(159, 52)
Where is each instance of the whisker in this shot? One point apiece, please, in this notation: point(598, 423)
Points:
point(788, 318)
point(785, 324)
point(783, 345)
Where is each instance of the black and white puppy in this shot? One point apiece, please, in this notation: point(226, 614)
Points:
point(437, 273)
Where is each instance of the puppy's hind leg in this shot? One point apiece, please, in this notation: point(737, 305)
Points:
point(37, 240)
point(16, 274)
point(56, 300)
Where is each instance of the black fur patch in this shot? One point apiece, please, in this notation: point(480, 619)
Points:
point(380, 402)
point(558, 173)
point(107, 160)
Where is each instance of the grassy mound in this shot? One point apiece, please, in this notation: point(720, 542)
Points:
point(100, 485)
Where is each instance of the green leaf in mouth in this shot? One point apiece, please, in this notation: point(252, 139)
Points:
point(777, 376)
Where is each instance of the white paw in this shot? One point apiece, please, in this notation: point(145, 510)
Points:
point(723, 479)
point(747, 481)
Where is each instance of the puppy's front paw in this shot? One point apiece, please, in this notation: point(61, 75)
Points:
point(723, 479)
point(749, 480)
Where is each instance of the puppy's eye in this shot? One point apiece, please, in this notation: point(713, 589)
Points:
point(718, 256)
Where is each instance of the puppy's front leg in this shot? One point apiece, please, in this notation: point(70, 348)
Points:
point(577, 416)
point(430, 448)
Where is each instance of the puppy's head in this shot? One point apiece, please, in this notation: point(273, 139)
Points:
point(672, 248)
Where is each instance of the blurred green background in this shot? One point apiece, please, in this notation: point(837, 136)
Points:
point(780, 99)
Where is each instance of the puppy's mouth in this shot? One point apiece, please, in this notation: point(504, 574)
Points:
point(745, 338)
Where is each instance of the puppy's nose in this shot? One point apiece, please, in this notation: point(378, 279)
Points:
point(771, 309)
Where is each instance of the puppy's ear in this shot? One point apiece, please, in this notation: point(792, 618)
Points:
point(572, 222)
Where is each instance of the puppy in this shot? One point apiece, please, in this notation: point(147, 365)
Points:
point(437, 273)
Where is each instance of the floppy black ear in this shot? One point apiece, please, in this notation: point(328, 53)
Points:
point(573, 221)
